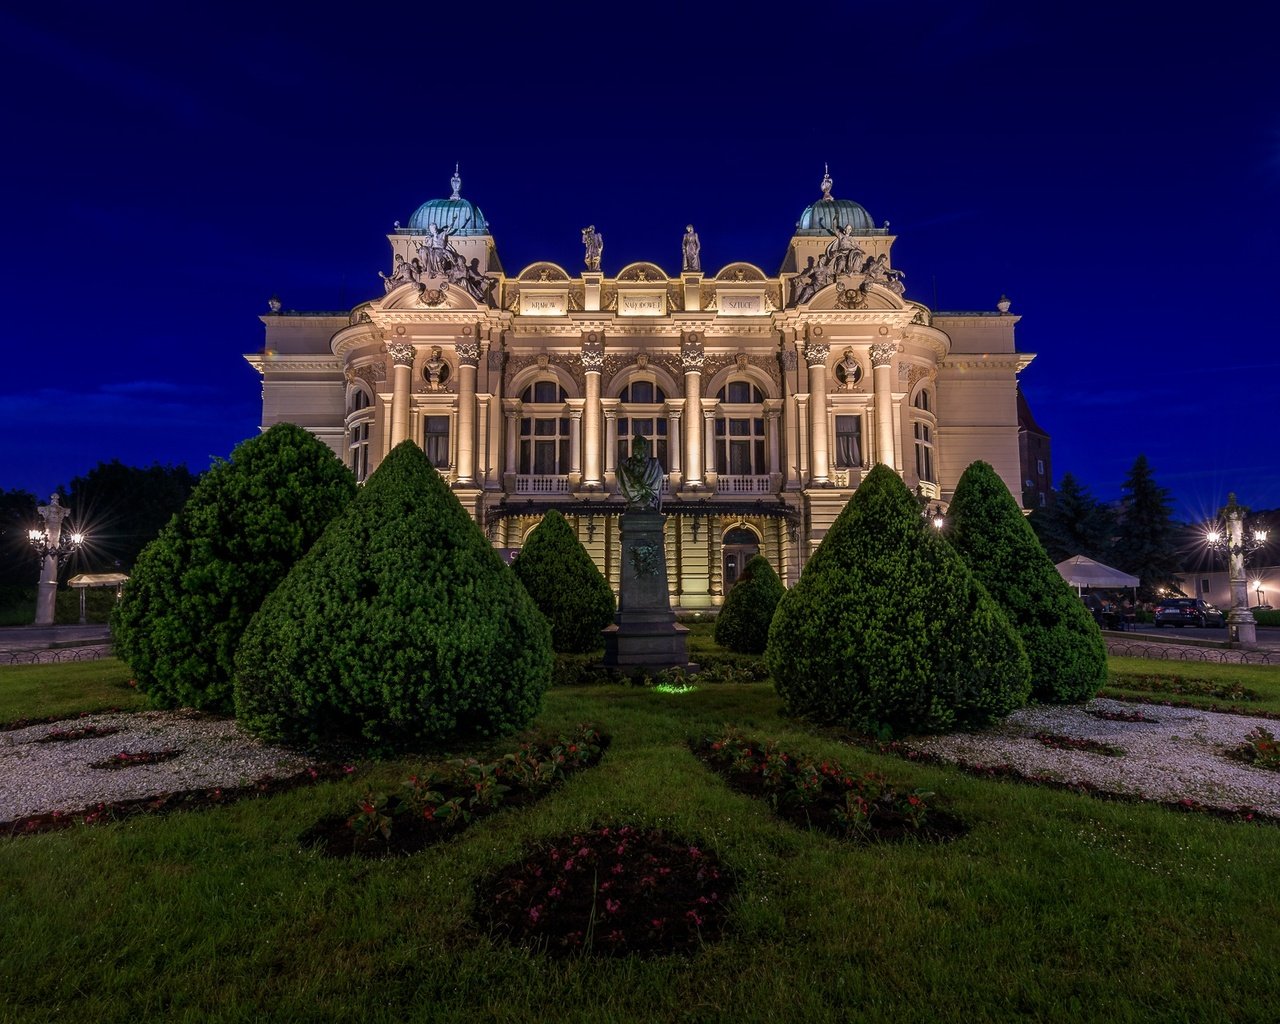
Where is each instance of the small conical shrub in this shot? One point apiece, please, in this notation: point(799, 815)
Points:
point(743, 622)
point(1068, 656)
point(887, 631)
point(565, 585)
point(194, 588)
point(401, 627)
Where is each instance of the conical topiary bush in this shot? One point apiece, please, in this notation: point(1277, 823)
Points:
point(401, 627)
point(565, 585)
point(195, 587)
point(1064, 644)
point(887, 631)
point(743, 622)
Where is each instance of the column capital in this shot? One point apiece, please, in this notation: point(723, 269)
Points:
point(692, 354)
point(593, 356)
point(468, 353)
point(401, 353)
point(882, 353)
point(816, 353)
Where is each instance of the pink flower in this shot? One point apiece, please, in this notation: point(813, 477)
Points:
point(618, 869)
point(555, 892)
point(612, 906)
point(534, 914)
point(693, 916)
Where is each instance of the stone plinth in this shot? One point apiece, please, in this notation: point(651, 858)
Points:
point(645, 634)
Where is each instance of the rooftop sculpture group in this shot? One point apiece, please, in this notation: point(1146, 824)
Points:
point(437, 258)
point(844, 256)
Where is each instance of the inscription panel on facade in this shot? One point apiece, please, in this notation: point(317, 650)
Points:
point(543, 304)
point(739, 304)
point(642, 303)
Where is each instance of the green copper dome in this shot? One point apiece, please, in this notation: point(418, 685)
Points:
point(828, 213)
point(454, 213)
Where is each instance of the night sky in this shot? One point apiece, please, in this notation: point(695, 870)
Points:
point(1119, 178)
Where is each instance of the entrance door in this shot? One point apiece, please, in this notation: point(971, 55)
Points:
point(739, 547)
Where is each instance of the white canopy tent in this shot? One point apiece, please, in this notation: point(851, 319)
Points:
point(1083, 572)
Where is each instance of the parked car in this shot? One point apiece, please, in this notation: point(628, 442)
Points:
point(1188, 611)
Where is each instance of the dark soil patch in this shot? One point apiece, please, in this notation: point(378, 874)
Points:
point(824, 796)
point(610, 891)
point(1054, 741)
point(89, 732)
point(1120, 716)
point(163, 803)
point(135, 758)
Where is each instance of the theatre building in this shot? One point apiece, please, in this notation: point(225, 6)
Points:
point(765, 397)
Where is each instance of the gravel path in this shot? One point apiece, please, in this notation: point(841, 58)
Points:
point(1179, 756)
point(39, 777)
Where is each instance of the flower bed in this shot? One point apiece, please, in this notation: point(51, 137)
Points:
point(1260, 749)
point(825, 795)
point(134, 758)
point(1224, 709)
point(610, 891)
point(1183, 686)
point(1120, 716)
point(89, 732)
point(1056, 742)
point(429, 809)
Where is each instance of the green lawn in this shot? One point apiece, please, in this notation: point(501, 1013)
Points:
point(1154, 679)
point(1055, 907)
point(42, 691)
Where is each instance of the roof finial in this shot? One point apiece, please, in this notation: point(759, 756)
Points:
point(456, 182)
point(826, 183)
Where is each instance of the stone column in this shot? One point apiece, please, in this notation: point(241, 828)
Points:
point(47, 595)
point(674, 414)
point(593, 367)
point(772, 422)
point(611, 436)
point(512, 409)
point(791, 467)
point(709, 406)
point(401, 353)
point(575, 442)
point(468, 358)
point(815, 354)
point(882, 354)
point(691, 359)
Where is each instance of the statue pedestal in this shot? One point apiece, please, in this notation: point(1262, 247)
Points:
point(645, 634)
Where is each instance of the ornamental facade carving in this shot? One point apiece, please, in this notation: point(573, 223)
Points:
point(882, 353)
point(468, 353)
point(816, 353)
point(401, 353)
point(692, 355)
point(593, 356)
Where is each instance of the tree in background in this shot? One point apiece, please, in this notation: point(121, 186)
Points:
point(1075, 523)
point(123, 508)
point(743, 622)
point(401, 627)
point(196, 586)
point(887, 630)
point(985, 524)
point(19, 567)
point(565, 585)
point(1146, 536)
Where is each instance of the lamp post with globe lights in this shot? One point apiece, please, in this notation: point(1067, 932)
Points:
point(52, 546)
point(1231, 538)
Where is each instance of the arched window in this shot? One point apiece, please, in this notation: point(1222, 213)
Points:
point(544, 432)
point(924, 451)
point(740, 436)
point(642, 392)
point(359, 400)
point(641, 415)
point(923, 402)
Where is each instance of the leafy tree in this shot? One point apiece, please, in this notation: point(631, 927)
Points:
point(18, 564)
point(1064, 644)
point(1146, 536)
point(195, 587)
point(743, 622)
point(123, 508)
point(565, 585)
point(401, 627)
point(1074, 524)
point(888, 631)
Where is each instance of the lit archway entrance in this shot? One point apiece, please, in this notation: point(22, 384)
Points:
point(740, 545)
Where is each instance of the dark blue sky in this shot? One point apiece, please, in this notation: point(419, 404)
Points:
point(1119, 178)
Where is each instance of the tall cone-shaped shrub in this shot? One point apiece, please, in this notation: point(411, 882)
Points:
point(565, 585)
point(743, 622)
point(401, 627)
point(194, 588)
point(1064, 644)
point(887, 631)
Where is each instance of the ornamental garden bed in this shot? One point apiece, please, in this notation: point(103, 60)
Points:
point(431, 808)
point(89, 732)
point(824, 795)
point(1260, 749)
point(136, 758)
point(609, 891)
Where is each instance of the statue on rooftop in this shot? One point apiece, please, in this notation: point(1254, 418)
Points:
point(594, 243)
point(692, 249)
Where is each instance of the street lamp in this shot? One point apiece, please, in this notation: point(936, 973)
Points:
point(52, 546)
point(1231, 538)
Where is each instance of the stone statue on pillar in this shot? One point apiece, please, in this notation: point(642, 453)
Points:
point(593, 241)
point(640, 478)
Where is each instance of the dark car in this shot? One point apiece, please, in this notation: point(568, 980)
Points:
point(1188, 611)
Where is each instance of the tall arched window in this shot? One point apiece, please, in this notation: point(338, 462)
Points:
point(740, 436)
point(359, 422)
point(544, 430)
point(641, 415)
point(924, 451)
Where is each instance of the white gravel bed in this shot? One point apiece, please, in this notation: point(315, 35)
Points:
point(36, 778)
point(1179, 756)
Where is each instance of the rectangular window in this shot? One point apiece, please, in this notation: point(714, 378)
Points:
point(1204, 586)
point(1040, 466)
point(848, 441)
point(924, 452)
point(435, 441)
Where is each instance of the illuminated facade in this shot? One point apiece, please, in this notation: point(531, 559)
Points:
point(764, 397)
